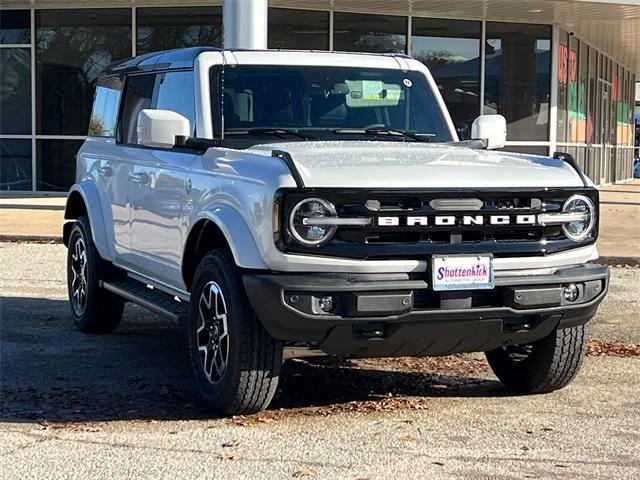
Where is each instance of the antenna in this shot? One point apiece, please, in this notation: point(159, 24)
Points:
point(224, 61)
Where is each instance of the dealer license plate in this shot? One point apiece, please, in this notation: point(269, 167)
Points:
point(462, 272)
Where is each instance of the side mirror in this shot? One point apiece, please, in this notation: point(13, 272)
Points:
point(159, 128)
point(491, 129)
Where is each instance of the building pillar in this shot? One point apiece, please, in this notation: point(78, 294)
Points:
point(245, 24)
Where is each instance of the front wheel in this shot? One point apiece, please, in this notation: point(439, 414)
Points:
point(235, 361)
point(94, 309)
point(543, 366)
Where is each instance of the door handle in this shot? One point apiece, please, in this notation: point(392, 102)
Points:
point(105, 171)
point(139, 178)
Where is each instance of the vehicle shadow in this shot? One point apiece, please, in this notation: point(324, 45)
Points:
point(51, 371)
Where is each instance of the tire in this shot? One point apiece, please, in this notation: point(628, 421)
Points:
point(94, 309)
point(236, 363)
point(544, 366)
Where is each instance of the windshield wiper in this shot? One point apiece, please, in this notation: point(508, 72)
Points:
point(382, 131)
point(281, 132)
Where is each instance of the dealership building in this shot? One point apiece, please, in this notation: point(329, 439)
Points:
point(562, 72)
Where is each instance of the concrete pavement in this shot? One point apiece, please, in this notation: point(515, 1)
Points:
point(77, 406)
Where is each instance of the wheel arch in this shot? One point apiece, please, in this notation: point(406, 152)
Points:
point(83, 199)
point(213, 230)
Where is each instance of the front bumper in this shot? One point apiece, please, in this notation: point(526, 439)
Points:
point(398, 314)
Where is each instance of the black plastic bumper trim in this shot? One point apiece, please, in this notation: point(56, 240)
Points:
point(266, 294)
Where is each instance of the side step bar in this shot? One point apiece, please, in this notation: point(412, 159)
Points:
point(150, 298)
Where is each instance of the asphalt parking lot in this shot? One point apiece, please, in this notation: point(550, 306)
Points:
point(124, 405)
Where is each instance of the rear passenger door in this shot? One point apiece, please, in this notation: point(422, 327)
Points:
point(159, 188)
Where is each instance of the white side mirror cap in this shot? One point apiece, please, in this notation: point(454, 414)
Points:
point(159, 128)
point(491, 129)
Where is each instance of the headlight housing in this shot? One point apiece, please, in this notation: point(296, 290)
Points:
point(585, 212)
point(312, 222)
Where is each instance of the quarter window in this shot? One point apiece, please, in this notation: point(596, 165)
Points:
point(105, 107)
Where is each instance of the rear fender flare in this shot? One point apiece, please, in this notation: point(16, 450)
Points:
point(102, 236)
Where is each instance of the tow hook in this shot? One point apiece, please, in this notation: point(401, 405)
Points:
point(370, 331)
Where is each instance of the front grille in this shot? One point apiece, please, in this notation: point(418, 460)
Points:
point(401, 241)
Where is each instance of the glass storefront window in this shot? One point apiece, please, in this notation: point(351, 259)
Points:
point(529, 150)
point(517, 76)
point(593, 95)
point(177, 27)
point(15, 164)
point(56, 164)
point(451, 51)
point(563, 80)
point(15, 91)
point(298, 29)
point(15, 27)
point(358, 32)
point(572, 106)
point(73, 47)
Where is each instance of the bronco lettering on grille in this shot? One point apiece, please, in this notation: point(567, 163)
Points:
point(457, 220)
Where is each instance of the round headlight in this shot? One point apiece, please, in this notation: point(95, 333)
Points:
point(580, 229)
point(306, 223)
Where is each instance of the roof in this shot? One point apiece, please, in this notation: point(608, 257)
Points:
point(185, 58)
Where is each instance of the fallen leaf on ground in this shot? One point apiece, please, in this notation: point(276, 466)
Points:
point(303, 472)
point(233, 457)
point(616, 349)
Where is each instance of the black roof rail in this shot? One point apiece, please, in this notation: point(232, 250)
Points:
point(166, 60)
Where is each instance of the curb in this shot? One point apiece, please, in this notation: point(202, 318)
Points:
point(18, 206)
point(30, 239)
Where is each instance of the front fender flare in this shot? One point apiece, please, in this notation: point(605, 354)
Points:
point(100, 234)
point(237, 234)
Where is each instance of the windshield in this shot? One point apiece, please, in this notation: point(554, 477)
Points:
point(324, 102)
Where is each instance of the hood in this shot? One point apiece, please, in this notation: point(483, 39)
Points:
point(375, 164)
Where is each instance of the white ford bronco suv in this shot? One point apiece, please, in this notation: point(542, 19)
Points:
point(282, 204)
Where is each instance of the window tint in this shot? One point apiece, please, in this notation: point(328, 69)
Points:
point(137, 97)
point(15, 27)
point(176, 93)
point(56, 164)
point(15, 91)
point(451, 50)
point(105, 107)
point(298, 29)
point(177, 27)
point(357, 32)
point(72, 47)
point(517, 78)
point(15, 164)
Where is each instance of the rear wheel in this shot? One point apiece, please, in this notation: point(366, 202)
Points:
point(94, 309)
point(235, 361)
point(543, 366)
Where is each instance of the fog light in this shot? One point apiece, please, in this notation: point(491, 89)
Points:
point(571, 292)
point(327, 303)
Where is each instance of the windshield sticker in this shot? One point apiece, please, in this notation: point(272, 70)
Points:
point(407, 83)
point(371, 90)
